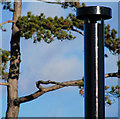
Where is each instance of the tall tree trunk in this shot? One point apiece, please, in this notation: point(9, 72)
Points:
point(12, 90)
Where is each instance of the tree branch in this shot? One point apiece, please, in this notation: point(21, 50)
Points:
point(112, 48)
point(57, 85)
point(77, 31)
point(112, 75)
point(5, 84)
point(60, 3)
point(9, 21)
point(44, 90)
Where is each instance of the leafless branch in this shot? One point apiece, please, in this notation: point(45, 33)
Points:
point(9, 21)
point(44, 90)
point(60, 3)
point(57, 85)
point(5, 84)
point(112, 75)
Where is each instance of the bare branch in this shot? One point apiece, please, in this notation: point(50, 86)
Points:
point(9, 21)
point(5, 84)
point(28, 98)
point(44, 90)
point(57, 85)
point(60, 3)
point(77, 31)
point(112, 75)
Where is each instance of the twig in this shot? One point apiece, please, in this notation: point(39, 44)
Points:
point(77, 31)
point(9, 21)
point(112, 75)
point(60, 3)
point(5, 84)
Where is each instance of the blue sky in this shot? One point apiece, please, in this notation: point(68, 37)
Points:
point(59, 61)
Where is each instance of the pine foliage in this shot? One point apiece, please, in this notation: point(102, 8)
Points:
point(4, 58)
point(48, 29)
point(41, 28)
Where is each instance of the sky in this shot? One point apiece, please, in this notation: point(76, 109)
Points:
point(58, 61)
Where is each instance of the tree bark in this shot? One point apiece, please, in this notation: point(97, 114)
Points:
point(12, 89)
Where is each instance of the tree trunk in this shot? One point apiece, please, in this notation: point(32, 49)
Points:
point(12, 89)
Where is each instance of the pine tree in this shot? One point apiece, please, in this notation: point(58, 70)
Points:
point(37, 28)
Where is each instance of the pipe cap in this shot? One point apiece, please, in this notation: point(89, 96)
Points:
point(94, 12)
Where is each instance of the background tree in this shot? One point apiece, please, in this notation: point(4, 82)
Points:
point(40, 28)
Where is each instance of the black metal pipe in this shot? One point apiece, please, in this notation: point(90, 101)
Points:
point(101, 82)
point(94, 59)
point(91, 68)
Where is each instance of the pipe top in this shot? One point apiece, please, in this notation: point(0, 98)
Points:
point(94, 13)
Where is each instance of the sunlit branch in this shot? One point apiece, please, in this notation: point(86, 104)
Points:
point(5, 84)
point(60, 3)
point(44, 90)
point(57, 85)
point(112, 75)
point(9, 21)
point(77, 31)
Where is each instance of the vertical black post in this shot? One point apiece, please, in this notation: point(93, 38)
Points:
point(94, 59)
point(91, 67)
point(101, 83)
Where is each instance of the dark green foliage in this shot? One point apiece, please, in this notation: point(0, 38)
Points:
point(111, 41)
point(4, 58)
point(41, 28)
point(109, 102)
point(106, 98)
point(111, 93)
point(76, 22)
point(115, 90)
point(73, 4)
point(106, 87)
point(112, 88)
